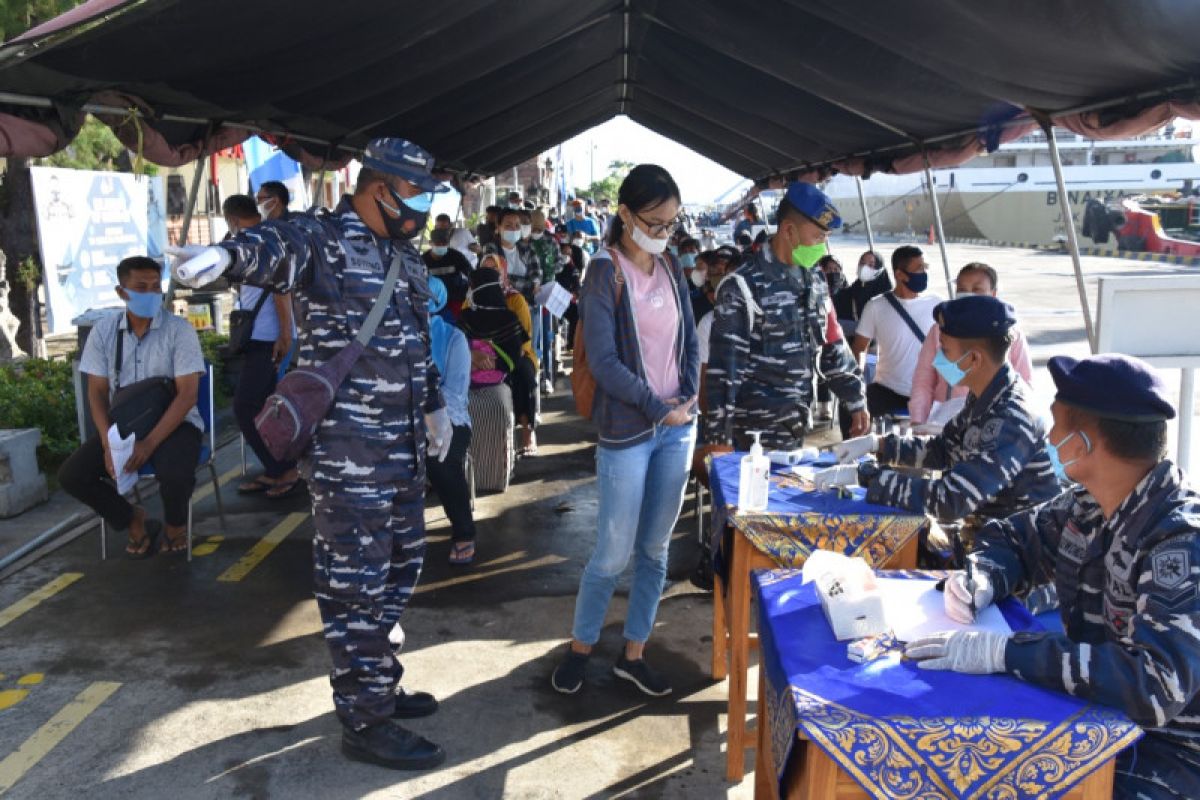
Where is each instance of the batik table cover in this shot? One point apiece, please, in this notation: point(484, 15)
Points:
point(904, 732)
point(798, 521)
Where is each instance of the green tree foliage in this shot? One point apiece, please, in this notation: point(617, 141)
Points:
point(18, 16)
point(96, 147)
point(609, 185)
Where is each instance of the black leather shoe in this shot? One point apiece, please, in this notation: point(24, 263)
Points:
point(389, 745)
point(412, 706)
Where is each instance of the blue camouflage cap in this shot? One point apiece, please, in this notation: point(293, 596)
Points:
point(404, 159)
point(814, 204)
point(974, 316)
point(1112, 386)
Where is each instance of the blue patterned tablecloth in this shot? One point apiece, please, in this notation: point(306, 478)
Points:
point(798, 521)
point(900, 731)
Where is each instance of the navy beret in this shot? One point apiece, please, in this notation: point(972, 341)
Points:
point(401, 157)
point(814, 204)
point(1112, 386)
point(974, 316)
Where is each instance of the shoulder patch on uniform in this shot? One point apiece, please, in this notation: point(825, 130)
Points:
point(1171, 567)
point(991, 432)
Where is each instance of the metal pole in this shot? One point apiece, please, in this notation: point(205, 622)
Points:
point(1072, 240)
point(862, 200)
point(320, 187)
point(187, 219)
point(1187, 404)
point(937, 224)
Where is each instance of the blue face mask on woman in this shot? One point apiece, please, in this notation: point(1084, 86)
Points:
point(687, 260)
point(143, 304)
point(1056, 462)
point(950, 371)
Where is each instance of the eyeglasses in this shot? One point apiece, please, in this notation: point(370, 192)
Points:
point(658, 230)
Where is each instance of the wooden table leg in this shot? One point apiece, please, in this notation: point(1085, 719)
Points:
point(906, 556)
point(720, 632)
point(818, 775)
point(765, 785)
point(1098, 785)
point(739, 655)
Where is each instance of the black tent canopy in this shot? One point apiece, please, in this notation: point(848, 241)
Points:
point(764, 88)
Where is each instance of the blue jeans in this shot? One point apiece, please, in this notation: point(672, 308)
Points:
point(641, 492)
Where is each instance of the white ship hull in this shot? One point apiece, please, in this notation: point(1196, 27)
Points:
point(1000, 204)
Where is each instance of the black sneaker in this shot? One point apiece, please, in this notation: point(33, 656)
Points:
point(642, 676)
point(414, 705)
point(568, 675)
point(389, 745)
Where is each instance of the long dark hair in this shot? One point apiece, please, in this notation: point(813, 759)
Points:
point(646, 186)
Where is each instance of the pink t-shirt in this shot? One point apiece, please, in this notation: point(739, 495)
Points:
point(657, 314)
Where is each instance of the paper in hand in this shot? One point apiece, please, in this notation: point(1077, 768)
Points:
point(120, 450)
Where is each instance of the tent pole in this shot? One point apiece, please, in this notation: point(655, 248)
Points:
point(937, 222)
point(1187, 406)
point(1069, 220)
point(187, 214)
point(862, 200)
point(320, 187)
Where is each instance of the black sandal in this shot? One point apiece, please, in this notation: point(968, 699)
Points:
point(174, 546)
point(149, 541)
point(254, 486)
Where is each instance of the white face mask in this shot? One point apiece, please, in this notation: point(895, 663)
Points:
point(266, 207)
point(538, 234)
point(646, 242)
point(698, 277)
point(866, 274)
point(511, 237)
point(525, 231)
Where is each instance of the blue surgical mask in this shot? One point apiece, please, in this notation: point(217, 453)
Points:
point(143, 304)
point(1060, 469)
point(687, 260)
point(420, 203)
point(674, 250)
point(917, 281)
point(439, 251)
point(950, 371)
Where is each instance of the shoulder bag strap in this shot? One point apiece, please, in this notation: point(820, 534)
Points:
point(381, 301)
point(912, 326)
point(262, 299)
point(120, 357)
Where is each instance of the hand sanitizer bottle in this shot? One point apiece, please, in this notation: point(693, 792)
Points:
point(755, 477)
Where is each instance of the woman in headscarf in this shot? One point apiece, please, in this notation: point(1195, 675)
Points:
point(452, 356)
point(499, 315)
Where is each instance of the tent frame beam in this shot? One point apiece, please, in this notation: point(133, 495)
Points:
point(862, 201)
point(937, 223)
point(1068, 216)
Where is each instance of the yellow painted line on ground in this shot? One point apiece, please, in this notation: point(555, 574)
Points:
point(263, 547)
point(31, 600)
point(205, 488)
point(47, 737)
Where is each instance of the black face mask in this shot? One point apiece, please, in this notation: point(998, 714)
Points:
point(408, 224)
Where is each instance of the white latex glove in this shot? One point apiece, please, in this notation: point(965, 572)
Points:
point(195, 265)
point(975, 652)
point(958, 599)
point(438, 433)
point(832, 477)
point(852, 450)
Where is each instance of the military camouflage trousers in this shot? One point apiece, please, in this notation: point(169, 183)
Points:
point(367, 556)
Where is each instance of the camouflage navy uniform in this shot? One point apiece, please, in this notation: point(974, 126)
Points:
point(765, 355)
point(366, 467)
point(992, 457)
point(1128, 592)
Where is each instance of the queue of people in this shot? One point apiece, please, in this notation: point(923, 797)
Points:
point(690, 349)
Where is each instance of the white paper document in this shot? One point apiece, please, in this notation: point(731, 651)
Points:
point(121, 450)
point(558, 300)
point(915, 608)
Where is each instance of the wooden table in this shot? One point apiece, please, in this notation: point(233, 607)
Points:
point(884, 727)
point(812, 775)
point(895, 547)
